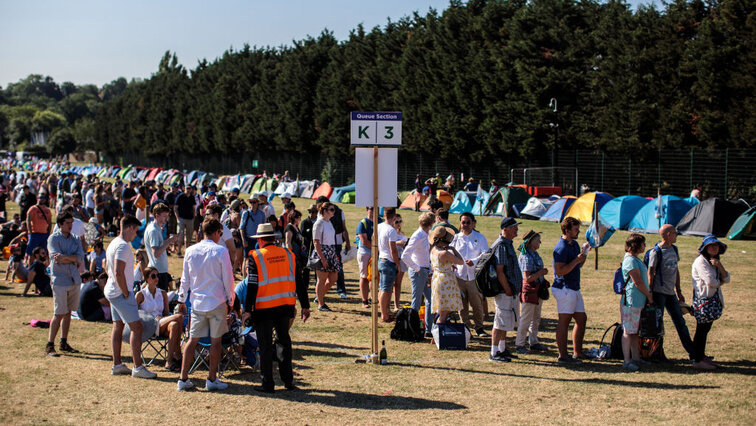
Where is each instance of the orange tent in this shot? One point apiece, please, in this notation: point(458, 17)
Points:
point(409, 201)
point(323, 189)
point(442, 195)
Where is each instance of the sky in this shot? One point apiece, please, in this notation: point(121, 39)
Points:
point(97, 41)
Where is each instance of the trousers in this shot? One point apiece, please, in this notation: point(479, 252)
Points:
point(471, 297)
point(264, 330)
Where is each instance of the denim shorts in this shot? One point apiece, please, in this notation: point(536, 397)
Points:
point(123, 309)
point(388, 275)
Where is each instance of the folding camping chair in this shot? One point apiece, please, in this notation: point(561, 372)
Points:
point(159, 344)
point(228, 359)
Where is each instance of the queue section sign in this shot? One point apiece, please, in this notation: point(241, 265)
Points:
point(376, 128)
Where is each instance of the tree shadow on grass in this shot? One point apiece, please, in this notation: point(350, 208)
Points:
point(345, 399)
point(594, 368)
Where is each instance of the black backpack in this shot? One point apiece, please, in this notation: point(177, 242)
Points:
point(615, 346)
point(485, 273)
point(408, 326)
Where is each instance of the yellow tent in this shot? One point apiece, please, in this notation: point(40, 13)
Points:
point(582, 209)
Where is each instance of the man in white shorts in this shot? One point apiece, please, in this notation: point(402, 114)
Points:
point(209, 277)
point(568, 259)
point(507, 303)
point(365, 253)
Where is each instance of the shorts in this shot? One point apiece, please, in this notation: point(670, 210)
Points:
point(568, 301)
point(124, 310)
point(334, 264)
point(507, 312)
point(212, 323)
point(630, 318)
point(186, 227)
point(363, 260)
point(65, 298)
point(388, 272)
point(172, 224)
point(164, 281)
point(36, 239)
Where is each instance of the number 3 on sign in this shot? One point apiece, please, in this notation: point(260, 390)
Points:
point(389, 133)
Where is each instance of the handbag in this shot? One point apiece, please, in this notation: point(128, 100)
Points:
point(313, 260)
point(450, 335)
point(707, 309)
point(651, 323)
point(543, 290)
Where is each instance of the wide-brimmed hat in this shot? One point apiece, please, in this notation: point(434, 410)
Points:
point(264, 230)
point(441, 233)
point(712, 239)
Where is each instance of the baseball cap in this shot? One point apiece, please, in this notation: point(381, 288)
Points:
point(509, 221)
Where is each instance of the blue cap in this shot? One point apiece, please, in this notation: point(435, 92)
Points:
point(509, 221)
point(211, 193)
point(712, 239)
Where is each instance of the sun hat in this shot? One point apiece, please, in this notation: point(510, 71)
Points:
point(712, 239)
point(440, 233)
point(264, 230)
point(509, 221)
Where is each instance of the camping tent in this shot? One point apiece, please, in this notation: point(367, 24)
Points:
point(672, 210)
point(338, 193)
point(258, 185)
point(308, 190)
point(582, 209)
point(442, 195)
point(535, 208)
point(409, 201)
point(501, 203)
point(481, 199)
point(463, 202)
point(744, 226)
point(556, 212)
point(348, 198)
point(711, 216)
point(618, 212)
point(323, 190)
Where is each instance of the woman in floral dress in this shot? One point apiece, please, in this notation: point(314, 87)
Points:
point(445, 294)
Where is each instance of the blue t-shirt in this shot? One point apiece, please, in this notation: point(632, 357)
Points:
point(633, 296)
point(565, 252)
point(241, 292)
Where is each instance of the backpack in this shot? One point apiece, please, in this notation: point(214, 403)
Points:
point(613, 350)
point(485, 273)
point(619, 282)
point(647, 260)
point(408, 326)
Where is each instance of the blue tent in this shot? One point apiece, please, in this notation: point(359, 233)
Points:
point(556, 211)
point(480, 203)
point(338, 193)
point(619, 211)
point(463, 202)
point(670, 210)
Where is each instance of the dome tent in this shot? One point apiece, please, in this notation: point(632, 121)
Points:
point(672, 210)
point(711, 216)
point(744, 227)
point(535, 208)
point(556, 211)
point(618, 212)
point(463, 202)
point(582, 209)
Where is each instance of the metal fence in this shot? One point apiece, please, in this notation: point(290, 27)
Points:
point(726, 173)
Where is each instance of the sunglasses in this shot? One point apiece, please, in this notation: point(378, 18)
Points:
point(397, 221)
point(153, 276)
point(331, 209)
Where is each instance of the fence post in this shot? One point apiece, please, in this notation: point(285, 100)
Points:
point(727, 166)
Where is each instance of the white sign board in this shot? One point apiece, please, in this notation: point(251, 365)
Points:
point(376, 128)
point(388, 159)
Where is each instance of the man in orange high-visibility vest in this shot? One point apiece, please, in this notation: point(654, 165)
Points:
point(272, 292)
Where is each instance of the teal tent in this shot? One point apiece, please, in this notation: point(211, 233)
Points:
point(463, 202)
point(480, 202)
point(668, 209)
point(744, 227)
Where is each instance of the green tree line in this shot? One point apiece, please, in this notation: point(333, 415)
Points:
point(473, 81)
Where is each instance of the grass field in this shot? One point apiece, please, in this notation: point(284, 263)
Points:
point(421, 384)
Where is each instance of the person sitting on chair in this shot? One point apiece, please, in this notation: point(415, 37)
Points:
point(37, 275)
point(155, 301)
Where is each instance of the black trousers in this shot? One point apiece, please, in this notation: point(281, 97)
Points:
point(699, 340)
point(264, 330)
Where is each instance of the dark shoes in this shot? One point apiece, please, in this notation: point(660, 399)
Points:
point(499, 357)
point(508, 354)
point(50, 350)
point(482, 333)
point(65, 347)
point(324, 308)
point(291, 387)
point(263, 389)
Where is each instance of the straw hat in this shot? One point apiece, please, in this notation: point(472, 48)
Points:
point(440, 233)
point(264, 230)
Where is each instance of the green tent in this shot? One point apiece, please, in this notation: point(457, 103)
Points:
point(501, 203)
point(348, 198)
point(744, 227)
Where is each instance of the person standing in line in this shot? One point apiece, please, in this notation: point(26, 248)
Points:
point(533, 273)
point(39, 225)
point(184, 210)
point(664, 277)
point(306, 228)
point(156, 247)
point(119, 291)
point(338, 220)
point(324, 237)
point(388, 262)
point(209, 278)
point(708, 277)
point(470, 244)
point(66, 256)
point(364, 253)
point(568, 259)
point(510, 278)
point(272, 292)
point(417, 257)
point(635, 296)
point(402, 267)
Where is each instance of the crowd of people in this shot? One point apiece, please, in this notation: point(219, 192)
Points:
point(242, 262)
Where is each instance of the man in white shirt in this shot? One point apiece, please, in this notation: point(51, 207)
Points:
point(470, 244)
point(227, 239)
point(156, 245)
point(209, 277)
point(417, 258)
point(120, 293)
point(388, 260)
point(89, 199)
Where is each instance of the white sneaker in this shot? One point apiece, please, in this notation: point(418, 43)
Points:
point(120, 369)
point(143, 373)
point(185, 385)
point(216, 385)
